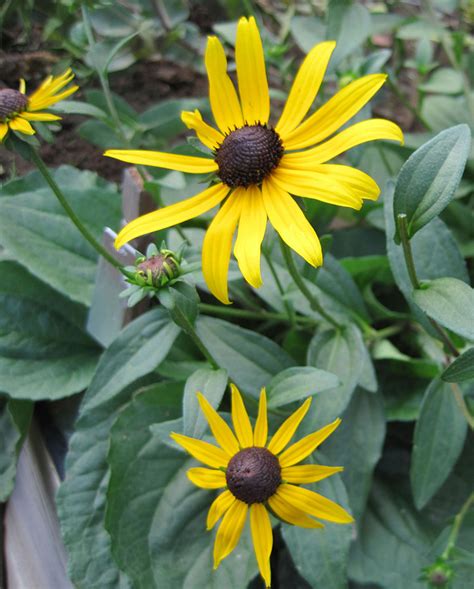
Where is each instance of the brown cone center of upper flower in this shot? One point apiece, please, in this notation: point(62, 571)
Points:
point(248, 154)
point(11, 102)
point(253, 475)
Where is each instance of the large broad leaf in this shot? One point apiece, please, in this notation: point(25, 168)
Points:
point(321, 555)
point(139, 348)
point(300, 382)
point(450, 302)
point(461, 369)
point(354, 28)
point(339, 352)
point(44, 353)
point(38, 233)
point(357, 446)
point(429, 178)
point(439, 437)
point(15, 417)
point(250, 359)
point(435, 252)
point(155, 515)
point(392, 546)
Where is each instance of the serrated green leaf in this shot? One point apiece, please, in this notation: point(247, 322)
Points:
point(429, 178)
point(450, 302)
point(39, 235)
point(212, 384)
point(299, 382)
point(250, 359)
point(44, 352)
point(461, 369)
point(15, 417)
point(439, 438)
point(138, 350)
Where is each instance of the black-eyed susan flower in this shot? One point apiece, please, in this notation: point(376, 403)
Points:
point(259, 167)
point(18, 111)
point(257, 475)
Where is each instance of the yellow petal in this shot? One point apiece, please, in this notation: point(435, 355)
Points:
point(22, 86)
point(19, 124)
point(305, 87)
point(260, 433)
point(308, 473)
point(52, 84)
point(290, 514)
point(337, 111)
point(304, 447)
point(39, 116)
point(160, 159)
point(221, 431)
point(359, 183)
point(287, 429)
point(314, 504)
point(218, 507)
point(240, 419)
point(262, 538)
point(371, 130)
point(207, 478)
point(222, 95)
point(44, 103)
point(173, 214)
point(202, 451)
point(209, 136)
point(3, 131)
point(217, 246)
point(322, 187)
point(289, 221)
point(252, 225)
point(251, 75)
point(229, 531)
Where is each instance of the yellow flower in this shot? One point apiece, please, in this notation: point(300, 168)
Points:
point(257, 475)
point(260, 166)
point(17, 109)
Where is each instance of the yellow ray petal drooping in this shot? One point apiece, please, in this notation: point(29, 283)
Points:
point(219, 506)
point(290, 514)
point(229, 531)
point(314, 504)
point(262, 538)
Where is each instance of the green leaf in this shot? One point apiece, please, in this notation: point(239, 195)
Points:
point(39, 235)
point(138, 350)
point(212, 384)
point(44, 352)
point(294, 384)
point(156, 516)
point(354, 28)
point(392, 546)
point(444, 80)
point(339, 352)
point(461, 369)
point(450, 302)
point(429, 178)
point(363, 431)
point(77, 107)
point(321, 556)
point(250, 359)
point(181, 300)
point(164, 118)
point(15, 417)
point(439, 438)
point(307, 31)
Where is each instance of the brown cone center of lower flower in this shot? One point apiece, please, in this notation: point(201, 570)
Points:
point(11, 102)
point(248, 154)
point(253, 475)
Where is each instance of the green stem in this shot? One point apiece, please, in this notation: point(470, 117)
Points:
point(410, 264)
point(393, 86)
point(458, 520)
point(300, 283)
point(201, 346)
point(71, 214)
point(288, 306)
point(244, 314)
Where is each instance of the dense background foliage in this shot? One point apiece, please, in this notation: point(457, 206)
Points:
point(402, 384)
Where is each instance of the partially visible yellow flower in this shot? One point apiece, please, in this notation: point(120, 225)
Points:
point(257, 475)
point(17, 109)
point(260, 167)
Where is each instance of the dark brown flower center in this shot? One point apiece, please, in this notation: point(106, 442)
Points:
point(11, 102)
point(248, 154)
point(253, 475)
